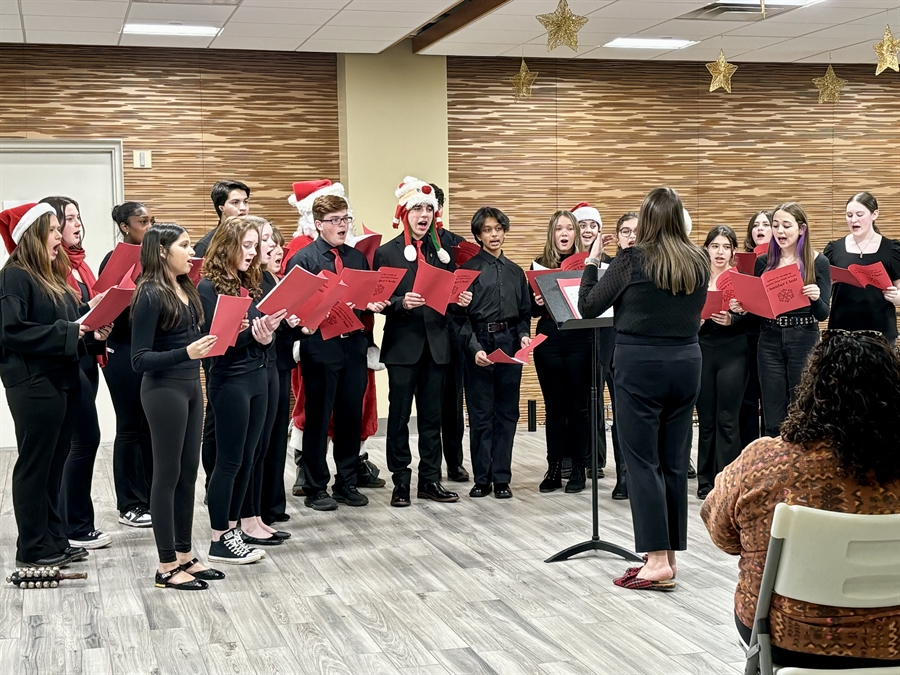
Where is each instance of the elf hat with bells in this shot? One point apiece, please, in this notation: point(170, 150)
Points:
point(412, 193)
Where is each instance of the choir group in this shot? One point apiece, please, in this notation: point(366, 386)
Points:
point(725, 329)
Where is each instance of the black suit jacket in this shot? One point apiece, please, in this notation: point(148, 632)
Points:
point(407, 332)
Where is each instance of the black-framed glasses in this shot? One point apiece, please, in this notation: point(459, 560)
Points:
point(337, 221)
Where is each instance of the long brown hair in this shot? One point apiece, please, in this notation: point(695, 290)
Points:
point(31, 255)
point(220, 263)
point(671, 261)
point(806, 257)
point(155, 276)
point(552, 255)
point(749, 244)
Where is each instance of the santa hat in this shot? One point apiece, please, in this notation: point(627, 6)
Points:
point(305, 193)
point(14, 222)
point(585, 211)
point(688, 223)
point(411, 193)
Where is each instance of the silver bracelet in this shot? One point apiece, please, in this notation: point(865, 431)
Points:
point(592, 261)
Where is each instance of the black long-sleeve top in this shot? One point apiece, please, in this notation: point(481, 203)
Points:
point(821, 307)
point(38, 336)
point(162, 352)
point(644, 313)
point(247, 354)
point(201, 246)
point(120, 335)
point(546, 325)
point(93, 348)
point(499, 293)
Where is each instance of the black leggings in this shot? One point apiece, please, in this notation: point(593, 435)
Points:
point(253, 499)
point(239, 405)
point(75, 507)
point(175, 411)
point(132, 449)
point(274, 502)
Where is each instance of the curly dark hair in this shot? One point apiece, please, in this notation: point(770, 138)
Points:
point(848, 398)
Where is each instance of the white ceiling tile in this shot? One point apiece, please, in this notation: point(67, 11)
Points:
point(488, 37)
point(9, 8)
point(466, 49)
point(505, 22)
point(263, 30)
point(81, 8)
point(263, 43)
point(164, 41)
point(771, 28)
point(410, 20)
point(72, 23)
point(8, 34)
point(860, 53)
point(214, 15)
point(349, 34)
point(302, 17)
point(659, 11)
point(850, 30)
point(823, 13)
point(333, 5)
point(686, 29)
point(434, 7)
point(614, 54)
point(70, 37)
point(342, 47)
point(797, 49)
point(535, 7)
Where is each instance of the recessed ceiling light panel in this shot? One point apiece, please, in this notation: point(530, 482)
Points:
point(650, 43)
point(170, 29)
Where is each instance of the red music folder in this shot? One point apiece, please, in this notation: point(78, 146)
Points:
point(745, 262)
point(464, 279)
point(226, 322)
point(465, 250)
point(313, 311)
point(196, 266)
point(715, 302)
point(522, 357)
point(863, 275)
point(774, 293)
point(290, 293)
point(574, 262)
point(112, 305)
point(340, 320)
point(124, 257)
point(434, 285)
point(367, 244)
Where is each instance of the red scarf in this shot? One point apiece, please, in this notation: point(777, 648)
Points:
point(76, 258)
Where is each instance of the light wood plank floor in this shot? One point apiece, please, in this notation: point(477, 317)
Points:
point(434, 588)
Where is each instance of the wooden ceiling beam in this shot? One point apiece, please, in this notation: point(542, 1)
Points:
point(456, 19)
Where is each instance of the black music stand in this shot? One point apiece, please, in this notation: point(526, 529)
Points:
point(562, 313)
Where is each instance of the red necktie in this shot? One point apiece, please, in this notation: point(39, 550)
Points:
point(338, 263)
point(419, 243)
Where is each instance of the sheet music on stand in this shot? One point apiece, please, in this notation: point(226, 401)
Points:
point(560, 293)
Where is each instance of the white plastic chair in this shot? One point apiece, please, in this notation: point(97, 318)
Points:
point(826, 558)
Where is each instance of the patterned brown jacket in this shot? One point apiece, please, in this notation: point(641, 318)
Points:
point(738, 514)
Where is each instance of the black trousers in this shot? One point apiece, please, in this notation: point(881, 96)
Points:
point(453, 422)
point(782, 354)
point(76, 510)
point(492, 399)
point(44, 417)
point(132, 451)
point(656, 389)
point(274, 503)
point(750, 419)
point(239, 405)
point(253, 499)
point(424, 381)
point(175, 412)
point(563, 367)
point(334, 381)
point(208, 448)
point(723, 380)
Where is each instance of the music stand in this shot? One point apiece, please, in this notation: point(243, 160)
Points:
point(561, 312)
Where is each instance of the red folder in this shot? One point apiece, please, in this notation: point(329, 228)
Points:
point(464, 279)
point(574, 262)
point(123, 258)
point(745, 262)
point(194, 274)
point(387, 283)
point(360, 286)
point(522, 356)
point(290, 293)
point(340, 320)
point(112, 305)
point(532, 276)
point(774, 293)
point(762, 248)
point(434, 285)
point(725, 284)
point(367, 244)
point(715, 302)
point(862, 275)
point(465, 250)
point(226, 322)
point(312, 312)
point(570, 289)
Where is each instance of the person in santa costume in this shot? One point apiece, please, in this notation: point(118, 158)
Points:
point(304, 195)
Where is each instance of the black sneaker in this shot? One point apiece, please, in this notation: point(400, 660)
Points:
point(93, 539)
point(321, 501)
point(139, 516)
point(232, 550)
point(74, 554)
point(350, 496)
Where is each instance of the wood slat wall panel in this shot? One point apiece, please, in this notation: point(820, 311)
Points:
point(266, 118)
point(608, 132)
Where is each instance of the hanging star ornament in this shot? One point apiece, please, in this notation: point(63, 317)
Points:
point(523, 81)
point(887, 52)
point(562, 27)
point(829, 86)
point(721, 72)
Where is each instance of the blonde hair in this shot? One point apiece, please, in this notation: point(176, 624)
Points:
point(552, 255)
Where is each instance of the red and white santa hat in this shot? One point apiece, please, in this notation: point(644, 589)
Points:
point(585, 211)
point(411, 193)
point(15, 221)
point(305, 193)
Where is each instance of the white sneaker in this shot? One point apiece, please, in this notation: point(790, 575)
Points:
point(93, 539)
point(232, 550)
point(137, 517)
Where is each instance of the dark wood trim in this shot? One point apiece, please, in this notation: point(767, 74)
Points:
point(459, 17)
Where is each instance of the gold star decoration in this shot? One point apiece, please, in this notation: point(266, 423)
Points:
point(562, 27)
point(762, 7)
point(887, 52)
point(829, 86)
point(523, 81)
point(721, 72)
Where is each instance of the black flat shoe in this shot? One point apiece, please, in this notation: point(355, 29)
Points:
point(620, 491)
point(280, 518)
point(278, 534)
point(480, 490)
point(253, 541)
point(55, 560)
point(502, 491)
point(436, 492)
point(400, 496)
point(204, 575)
point(162, 581)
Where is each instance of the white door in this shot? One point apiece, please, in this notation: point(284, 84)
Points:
point(91, 173)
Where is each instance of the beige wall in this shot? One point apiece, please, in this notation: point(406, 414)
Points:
point(392, 110)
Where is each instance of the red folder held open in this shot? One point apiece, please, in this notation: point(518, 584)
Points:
point(715, 303)
point(774, 293)
point(367, 244)
point(522, 357)
point(112, 305)
point(226, 322)
point(124, 257)
point(745, 262)
point(314, 310)
point(364, 286)
point(465, 250)
point(434, 285)
point(464, 279)
point(290, 293)
point(340, 320)
point(574, 262)
point(863, 275)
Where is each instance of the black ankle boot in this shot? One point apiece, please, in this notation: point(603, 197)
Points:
point(576, 479)
point(553, 478)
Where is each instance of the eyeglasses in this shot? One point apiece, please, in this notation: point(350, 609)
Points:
point(627, 232)
point(337, 221)
point(872, 334)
